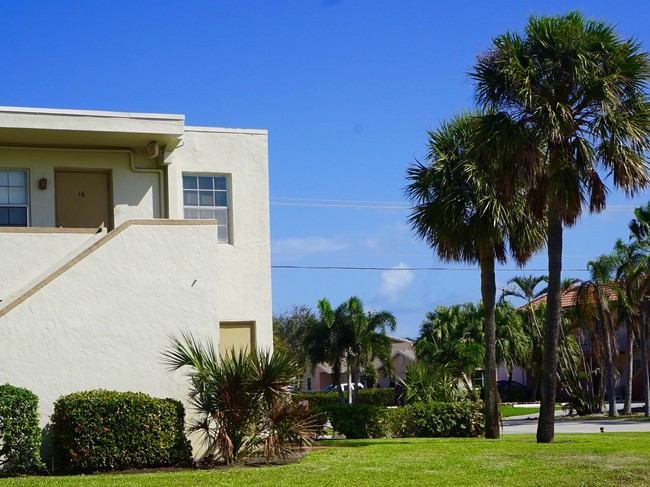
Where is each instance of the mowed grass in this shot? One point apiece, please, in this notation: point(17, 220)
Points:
point(599, 460)
point(507, 411)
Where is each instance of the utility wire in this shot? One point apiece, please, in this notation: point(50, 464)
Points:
point(380, 205)
point(360, 268)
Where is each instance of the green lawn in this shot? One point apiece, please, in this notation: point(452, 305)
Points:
point(507, 411)
point(603, 459)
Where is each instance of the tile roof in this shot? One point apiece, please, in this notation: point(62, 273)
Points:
point(568, 297)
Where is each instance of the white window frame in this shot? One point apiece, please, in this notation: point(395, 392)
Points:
point(224, 229)
point(14, 205)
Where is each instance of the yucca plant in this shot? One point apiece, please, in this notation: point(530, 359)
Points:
point(241, 400)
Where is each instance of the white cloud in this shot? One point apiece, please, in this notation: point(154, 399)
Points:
point(394, 281)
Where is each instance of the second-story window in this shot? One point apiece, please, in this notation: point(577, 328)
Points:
point(14, 198)
point(205, 197)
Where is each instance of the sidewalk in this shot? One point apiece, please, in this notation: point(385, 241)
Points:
point(527, 424)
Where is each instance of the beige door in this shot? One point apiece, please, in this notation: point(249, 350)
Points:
point(82, 199)
point(237, 336)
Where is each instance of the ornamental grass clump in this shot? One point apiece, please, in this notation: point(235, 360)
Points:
point(241, 401)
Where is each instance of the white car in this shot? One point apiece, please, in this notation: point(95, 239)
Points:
point(344, 387)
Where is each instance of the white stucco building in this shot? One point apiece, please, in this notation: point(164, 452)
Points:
point(118, 231)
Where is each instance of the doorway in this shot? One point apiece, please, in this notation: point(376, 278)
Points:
point(83, 199)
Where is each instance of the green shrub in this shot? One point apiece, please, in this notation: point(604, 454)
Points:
point(20, 435)
point(437, 419)
point(384, 396)
point(102, 430)
point(356, 420)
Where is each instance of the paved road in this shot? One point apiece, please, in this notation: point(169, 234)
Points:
point(528, 425)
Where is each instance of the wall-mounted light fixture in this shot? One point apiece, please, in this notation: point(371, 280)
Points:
point(42, 183)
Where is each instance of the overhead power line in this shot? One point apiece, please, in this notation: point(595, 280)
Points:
point(380, 205)
point(362, 268)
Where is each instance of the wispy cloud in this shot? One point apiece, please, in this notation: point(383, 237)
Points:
point(297, 247)
point(394, 281)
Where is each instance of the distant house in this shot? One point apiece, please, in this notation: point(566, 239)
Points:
point(569, 301)
point(119, 230)
point(402, 356)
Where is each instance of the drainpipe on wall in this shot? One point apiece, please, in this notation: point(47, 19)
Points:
point(162, 193)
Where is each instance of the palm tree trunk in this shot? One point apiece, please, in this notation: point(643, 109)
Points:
point(546, 423)
point(643, 348)
point(488, 294)
point(627, 409)
point(355, 381)
point(349, 384)
point(609, 369)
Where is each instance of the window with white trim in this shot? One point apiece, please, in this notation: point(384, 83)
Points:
point(205, 197)
point(14, 198)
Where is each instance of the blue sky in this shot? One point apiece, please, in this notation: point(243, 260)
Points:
point(347, 90)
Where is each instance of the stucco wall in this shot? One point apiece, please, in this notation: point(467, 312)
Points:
point(244, 264)
point(28, 253)
point(134, 194)
point(105, 321)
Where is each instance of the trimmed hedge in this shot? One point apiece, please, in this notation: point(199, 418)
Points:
point(20, 435)
point(422, 419)
point(357, 420)
point(103, 430)
point(384, 396)
point(437, 419)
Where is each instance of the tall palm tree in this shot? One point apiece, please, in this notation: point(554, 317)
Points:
point(461, 212)
point(579, 89)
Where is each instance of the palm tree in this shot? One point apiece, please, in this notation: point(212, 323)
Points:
point(241, 400)
point(596, 293)
point(461, 212)
point(627, 300)
point(320, 343)
point(640, 263)
point(451, 343)
point(578, 89)
point(526, 289)
point(348, 336)
point(514, 346)
point(367, 340)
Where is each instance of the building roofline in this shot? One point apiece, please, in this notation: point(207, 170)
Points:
point(191, 128)
point(92, 113)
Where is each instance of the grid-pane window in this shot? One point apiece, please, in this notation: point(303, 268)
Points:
point(205, 197)
point(14, 198)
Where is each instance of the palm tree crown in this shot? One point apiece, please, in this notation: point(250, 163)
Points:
point(579, 89)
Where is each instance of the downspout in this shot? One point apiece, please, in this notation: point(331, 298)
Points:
point(163, 190)
point(164, 210)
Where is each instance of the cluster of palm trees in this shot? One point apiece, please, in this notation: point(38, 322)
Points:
point(349, 338)
point(560, 108)
point(618, 295)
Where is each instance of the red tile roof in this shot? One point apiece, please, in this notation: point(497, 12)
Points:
point(568, 297)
